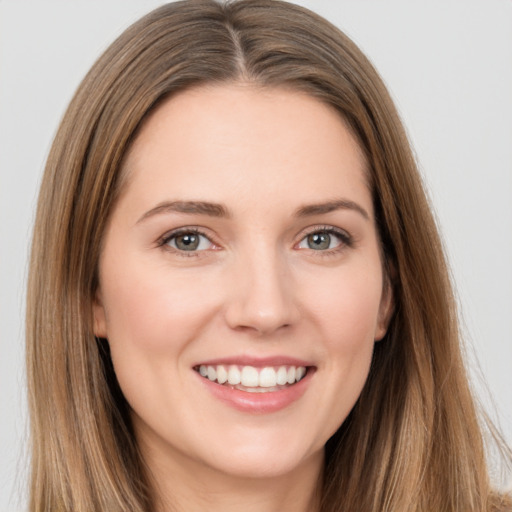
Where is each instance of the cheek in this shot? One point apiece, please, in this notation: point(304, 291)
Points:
point(152, 310)
point(152, 316)
point(349, 328)
point(346, 309)
point(345, 313)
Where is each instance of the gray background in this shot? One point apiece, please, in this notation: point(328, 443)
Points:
point(448, 64)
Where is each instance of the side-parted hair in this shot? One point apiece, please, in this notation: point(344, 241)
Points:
point(413, 441)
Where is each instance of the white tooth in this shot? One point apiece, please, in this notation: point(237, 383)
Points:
point(282, 376)
point(203, 370)
point(249, 376)
point(212, 374)
point(268, 377)
point(234, 375)
point(222, 374)
point(301, 371)
point(291, 375)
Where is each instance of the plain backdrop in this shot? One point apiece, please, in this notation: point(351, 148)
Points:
point(448, 65)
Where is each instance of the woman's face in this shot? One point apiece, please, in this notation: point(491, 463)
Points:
point(241, 288)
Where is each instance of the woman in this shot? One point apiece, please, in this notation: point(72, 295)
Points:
point(237, 307)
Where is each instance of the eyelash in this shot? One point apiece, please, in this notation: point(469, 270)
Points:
point(164, 241)
point(346, 240)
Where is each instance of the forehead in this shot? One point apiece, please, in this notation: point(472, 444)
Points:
point(237, 138)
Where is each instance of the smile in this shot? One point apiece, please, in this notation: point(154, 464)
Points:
point(253, 379)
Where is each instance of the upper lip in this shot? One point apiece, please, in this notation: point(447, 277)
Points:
point(257, 362)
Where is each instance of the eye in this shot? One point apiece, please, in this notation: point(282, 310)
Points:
point(324, 240)
point(189, 241)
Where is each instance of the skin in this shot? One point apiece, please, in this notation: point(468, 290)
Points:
point(254, 287)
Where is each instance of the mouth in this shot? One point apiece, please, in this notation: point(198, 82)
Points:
point(253, 379)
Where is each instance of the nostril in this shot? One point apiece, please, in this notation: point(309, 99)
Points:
point(261, 301)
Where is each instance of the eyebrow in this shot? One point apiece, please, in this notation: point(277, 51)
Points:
point(331, 206)
point(218, 210)
point(192, 207)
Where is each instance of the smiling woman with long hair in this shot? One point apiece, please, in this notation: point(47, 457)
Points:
point(231, 303)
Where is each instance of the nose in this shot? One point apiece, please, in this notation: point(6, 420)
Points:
point(261, 295)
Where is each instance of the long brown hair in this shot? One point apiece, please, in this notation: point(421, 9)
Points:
point(412, 442)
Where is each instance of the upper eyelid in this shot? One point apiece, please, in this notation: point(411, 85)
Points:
point(346, 239)
point(328, 228)
point(163, 242)
point(204, 232)
point(184, 230)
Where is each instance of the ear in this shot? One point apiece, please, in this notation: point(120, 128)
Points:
point(386, 310)
point(99, 317)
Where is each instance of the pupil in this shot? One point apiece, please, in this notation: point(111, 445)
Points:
point(187, 242)
point(319, 241)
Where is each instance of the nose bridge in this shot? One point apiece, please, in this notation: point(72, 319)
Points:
point(261, 298)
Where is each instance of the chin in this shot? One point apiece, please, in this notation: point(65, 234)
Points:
point(263, 461)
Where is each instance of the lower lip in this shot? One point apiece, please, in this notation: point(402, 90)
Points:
point(258, 403)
